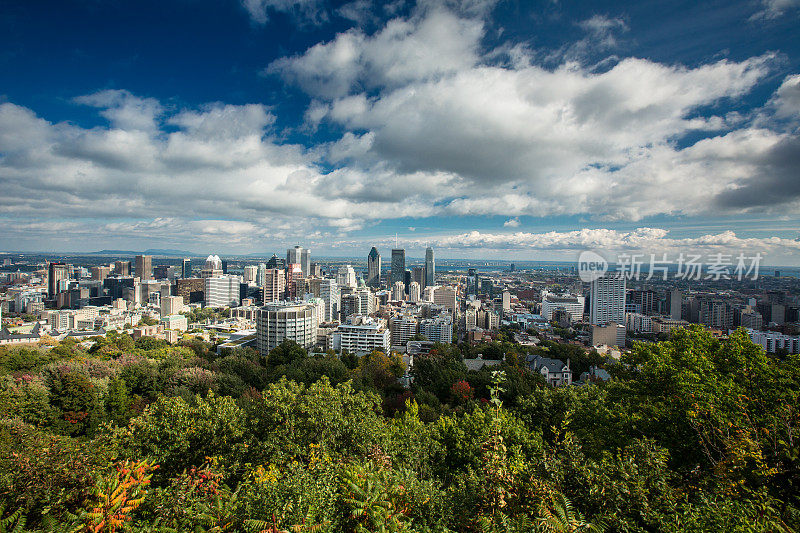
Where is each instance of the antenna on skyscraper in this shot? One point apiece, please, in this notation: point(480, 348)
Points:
point(395, 240)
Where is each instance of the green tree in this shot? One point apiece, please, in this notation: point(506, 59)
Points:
point(118, 401)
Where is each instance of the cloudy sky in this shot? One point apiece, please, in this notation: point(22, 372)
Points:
point(486, 128)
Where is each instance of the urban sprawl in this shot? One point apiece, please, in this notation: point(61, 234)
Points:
point(403, 307)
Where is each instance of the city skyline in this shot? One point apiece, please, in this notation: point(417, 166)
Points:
point(484, 129)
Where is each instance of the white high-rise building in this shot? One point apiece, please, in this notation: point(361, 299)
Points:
point(638, 323)
point(319, 307)
point(413, 292)
point(274, 284)
point(222, 291)
point(171, 305)
point(471, 318)
point(250, 274)
point(427, 293)
point(212, 267)
point(346, 276)
point(280, 321)
point(361, 335)
point(329, 292)
point(366, 300)
point(262, 273)
point(402, 329)
point(506, 301)
point(772, 341)
point(608, 300)
point(438, 329)
point(398, 291)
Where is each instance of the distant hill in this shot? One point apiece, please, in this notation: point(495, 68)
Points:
point(149, 251)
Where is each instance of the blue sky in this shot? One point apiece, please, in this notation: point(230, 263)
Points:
point(528, 130)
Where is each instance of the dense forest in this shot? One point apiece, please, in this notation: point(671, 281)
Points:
point(691, 434)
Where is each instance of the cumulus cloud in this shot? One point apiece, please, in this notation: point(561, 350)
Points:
point(124, 110)
point(425, 46)
point(787, 98)
point(520, 138)
point(431, 124)
point(642, 242)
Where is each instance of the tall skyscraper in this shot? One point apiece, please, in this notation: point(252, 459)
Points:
point(100, 272)
point(274, 262)
point(346, 277)
point(608, 300)
point(262, 273)
point(57, 275)
point(398, 291)
point(144, 267)
point(212, 267)
point(122, 268)
point(430, 268)
point(398, 272)
point(414, 292)
point(473, 282)
point(186, 268)
point(330, 294)
point(274, 284)
point(418, 275)
point(250, 274)
point(674, 300)
point(374, 268)
point(300, 256)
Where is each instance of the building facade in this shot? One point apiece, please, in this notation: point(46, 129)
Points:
point(280, 321)
point(608, 300)
point(222, 291)
point(144, 267)
point(374, 268)
point(361, 335)
point(398, 271)
point(430, 267)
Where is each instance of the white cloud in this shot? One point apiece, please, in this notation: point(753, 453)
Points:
point(124, 110)
point(431, 125)
point(523, 139)
point(773, 9)
point(567, 245)
point(428, 45)
point(787, 98)
point(304, 10)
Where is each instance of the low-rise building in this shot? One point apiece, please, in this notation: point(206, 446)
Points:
point(555, 372)
point(175, 322)
point(612, 334)
point(772, 341)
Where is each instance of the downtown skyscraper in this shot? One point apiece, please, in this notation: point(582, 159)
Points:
point(398, 272)
point(299, 256)
point(374, 268)
point(430, 268)
point(144, 267)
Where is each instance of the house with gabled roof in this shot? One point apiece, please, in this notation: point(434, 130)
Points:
point(555, 372)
